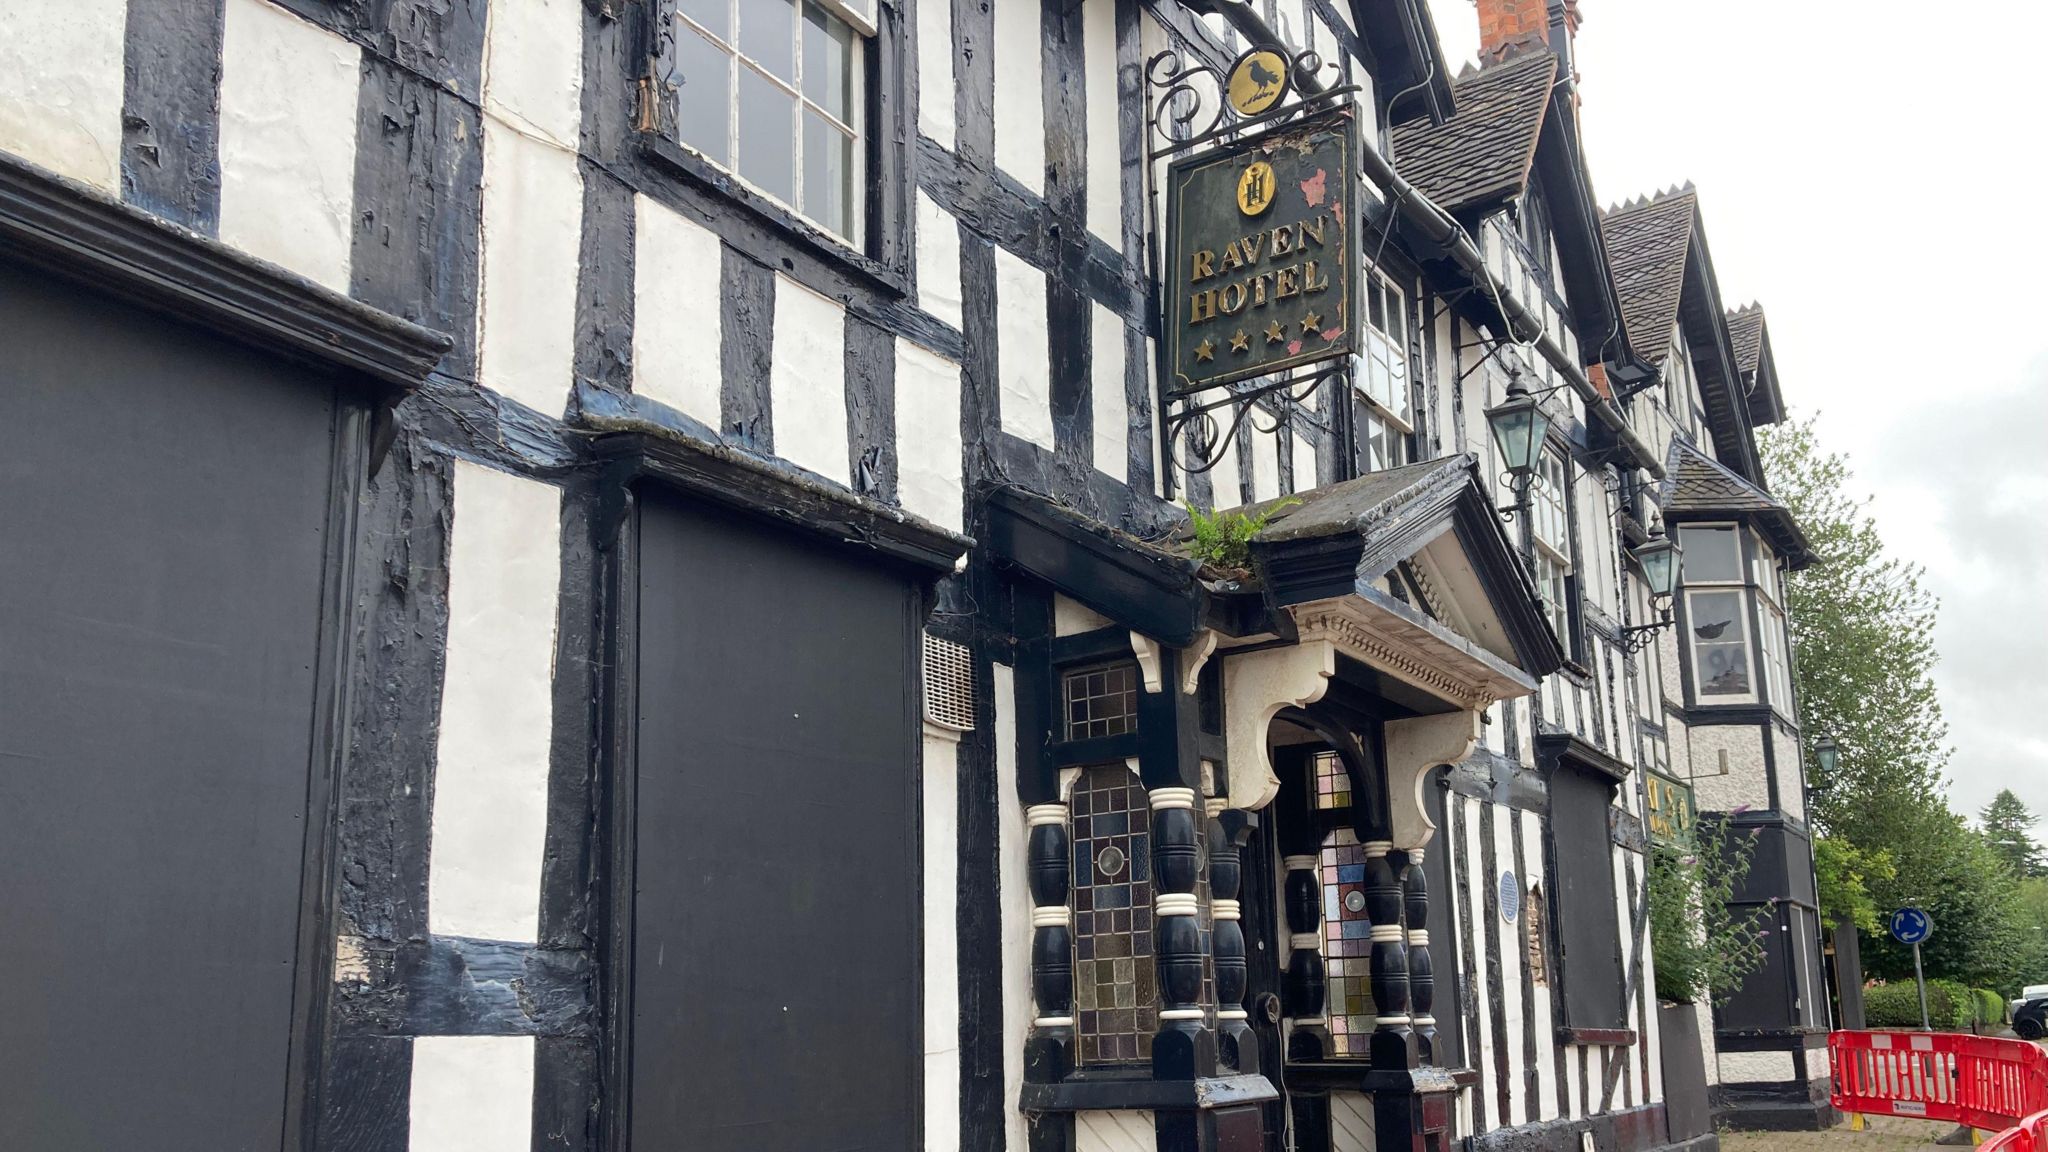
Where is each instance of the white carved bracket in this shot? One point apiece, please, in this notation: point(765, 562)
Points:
point(1194, 656)
point(1256, 687)
point(1147, 650)
point(1414, 747)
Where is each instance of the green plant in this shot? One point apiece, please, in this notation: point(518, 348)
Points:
point(1703, 946)
point(1842, 873)
point(1951, 1006)
point(1224, 539)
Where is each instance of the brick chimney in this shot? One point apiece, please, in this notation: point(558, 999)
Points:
point(1507, 26)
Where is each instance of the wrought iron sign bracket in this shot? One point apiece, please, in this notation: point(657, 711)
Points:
point(1257, 263)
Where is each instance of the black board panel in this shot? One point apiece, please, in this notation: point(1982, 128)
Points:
point(775, 930)
point(1588, 920)
point(164, 539)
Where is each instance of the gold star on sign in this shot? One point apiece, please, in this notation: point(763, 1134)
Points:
point(1311, 322)
point(1275, 333)
point(1239, 342)
point(1206, 350)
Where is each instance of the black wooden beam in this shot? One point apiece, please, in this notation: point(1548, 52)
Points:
point(67, 228)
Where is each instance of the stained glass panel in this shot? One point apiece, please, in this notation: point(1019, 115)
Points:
point(1333, 783)
point(1116, 988)
point(1347, 945)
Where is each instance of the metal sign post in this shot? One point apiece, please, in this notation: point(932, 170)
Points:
point(1912, 926)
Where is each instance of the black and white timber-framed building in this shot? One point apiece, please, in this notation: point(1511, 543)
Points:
point(608, 575)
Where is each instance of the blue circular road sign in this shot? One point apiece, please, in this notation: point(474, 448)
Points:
point(1911, 926)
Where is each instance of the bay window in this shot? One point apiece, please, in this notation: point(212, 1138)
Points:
point(772, 90)
point(1734, 588)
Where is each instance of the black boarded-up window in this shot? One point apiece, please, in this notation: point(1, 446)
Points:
point(775, 929)
point(164, 540)
point(1587, 922)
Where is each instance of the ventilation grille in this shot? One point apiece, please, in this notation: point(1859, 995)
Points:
point(948, 684)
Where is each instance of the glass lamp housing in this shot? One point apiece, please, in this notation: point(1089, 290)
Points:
point(1659, 557)
point(1519, 427)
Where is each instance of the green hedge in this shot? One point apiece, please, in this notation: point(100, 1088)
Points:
point(1951, 1007)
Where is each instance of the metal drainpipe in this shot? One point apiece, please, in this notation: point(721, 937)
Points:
point(1437, 225)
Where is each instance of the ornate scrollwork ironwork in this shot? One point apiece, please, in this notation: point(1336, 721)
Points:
point(1190, 105)
point(1195, 434)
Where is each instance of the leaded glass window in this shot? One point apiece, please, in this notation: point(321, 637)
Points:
point(1550, 521)
point(1116, 988)
point(1333, 783)
point(1720, 643)
point(1347, 944)
point(1101, 700)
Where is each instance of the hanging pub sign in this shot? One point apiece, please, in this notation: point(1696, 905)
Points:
point(1258, 253)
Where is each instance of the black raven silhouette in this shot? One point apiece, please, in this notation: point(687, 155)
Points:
point(1262, 76)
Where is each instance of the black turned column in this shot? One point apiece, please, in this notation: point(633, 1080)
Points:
point(1421, 977)
point(1237, 1047)
point(1178, 1047)
point(1050, 1051)
point(1393, 1041)
point(1304, 994)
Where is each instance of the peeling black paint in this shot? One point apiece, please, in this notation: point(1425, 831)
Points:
point(746, 292)
point(605, 299)
point(170, 111)
point(418, 191)
point(870, 368)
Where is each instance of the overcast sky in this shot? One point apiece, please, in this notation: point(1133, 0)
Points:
point(1873, 174)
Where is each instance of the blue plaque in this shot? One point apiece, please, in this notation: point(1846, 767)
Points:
point(1510, 897)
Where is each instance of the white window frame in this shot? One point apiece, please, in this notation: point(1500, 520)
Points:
point(1696, 587)
point(1772, 631)
point(1383, 378)
point(1550, 524)
point(863, 29)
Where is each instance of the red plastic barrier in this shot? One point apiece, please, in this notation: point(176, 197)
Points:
point(1976, 1080)
point(2030, 1135)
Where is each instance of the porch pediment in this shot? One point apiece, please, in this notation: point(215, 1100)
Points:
point(1409, 571)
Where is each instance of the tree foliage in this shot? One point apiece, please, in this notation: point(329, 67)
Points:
point(1843, 874)
point(1863, 630)
point(2009, 826)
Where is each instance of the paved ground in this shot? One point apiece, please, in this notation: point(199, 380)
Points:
point(1884, 1134)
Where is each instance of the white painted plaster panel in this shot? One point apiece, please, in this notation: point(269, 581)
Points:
point(1531, 871)
point(1485, 935)
point(1818, 1064)
point(1071, 617)
point(1703, 1012)
point(1105, 146)
point(533, 68)
point(928, 435)
point(1020, 97)
point(1790, 767)
point(1013, 904)
point(1304, 464)
point(807, 383)
point(1226, 485)
point(1113, 1132)
point(532, 226)
point(1265, 464)
point(938, 260)
point(941, 846)
point(676, 335)
point(1158, 467)
point(1023, 351)
point(1351, 1123)
point(1741, 748)
point(288, 93)
point(1112, 408)
point(1525, 1110)
point(491, 783)
point(1757, 1067)
point(935, 87)
point(61, 85)
point(472, 1094)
